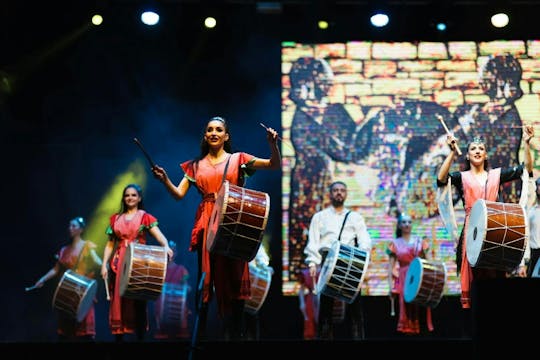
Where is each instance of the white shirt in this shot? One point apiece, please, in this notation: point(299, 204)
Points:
point(324, 229)
point(534, 227)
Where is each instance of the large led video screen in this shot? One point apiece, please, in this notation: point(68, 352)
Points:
point(369, 114)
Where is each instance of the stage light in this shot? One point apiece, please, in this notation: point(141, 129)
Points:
point(210, 22)
point(323, 25)
point(97, 19)
point(149, 18)
point(441, 26)
point(379, 20)
point(499, 20)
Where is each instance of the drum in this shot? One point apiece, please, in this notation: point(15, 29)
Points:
point(173, 310)
point(342, 272)
point(74, 295)
point(497, 235)
point(238, 222)
point(424, 282)
point(260, 278)
point(143, 271)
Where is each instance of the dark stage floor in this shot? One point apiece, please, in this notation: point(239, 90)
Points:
point(414, 348)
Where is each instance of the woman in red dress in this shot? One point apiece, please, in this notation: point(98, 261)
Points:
point(79, 256)
point(217, 163)
point(131, 225)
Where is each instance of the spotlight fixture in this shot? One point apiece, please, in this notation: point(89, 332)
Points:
point(441, 26)
point(379, 20)
point(499, 20)
point(150, 18)
point(323, 24)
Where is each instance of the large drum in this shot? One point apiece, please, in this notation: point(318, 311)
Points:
point(238, 222)
point(74, 294)
point(343, 272)
point(424, 282)
point(173, 309)
point(260, 277)
point(143, 271)
point(497, 235)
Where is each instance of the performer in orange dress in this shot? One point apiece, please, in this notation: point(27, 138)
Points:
point(217, 163)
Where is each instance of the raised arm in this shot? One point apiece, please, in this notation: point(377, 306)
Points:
point(528, 134)
point(442, 176)
point(177, 192)
point(274, 162)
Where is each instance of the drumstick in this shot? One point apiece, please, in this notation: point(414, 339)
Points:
point(392, 306)
point(279, 137)
point(150, 161)
point(314, 284)
point(107, 288)
point(448, 132)
point(30, 288)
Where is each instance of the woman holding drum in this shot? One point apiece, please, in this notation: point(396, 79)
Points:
point(476, 182)
point(218, 165)
point(75, 295)
point(403, 250)
point(128, 230)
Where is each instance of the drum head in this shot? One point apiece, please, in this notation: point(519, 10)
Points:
point(87, 300)
point(261, 277)
point(216, 219)
point(476, 231)
point(413, 280)
point(328, 267)
point(125, 269)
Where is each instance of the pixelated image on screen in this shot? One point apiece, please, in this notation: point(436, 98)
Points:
point(369, 114)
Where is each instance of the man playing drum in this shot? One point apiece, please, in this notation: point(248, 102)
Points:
point(334, 224)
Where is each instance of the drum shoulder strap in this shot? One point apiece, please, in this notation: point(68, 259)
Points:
point(343, 225)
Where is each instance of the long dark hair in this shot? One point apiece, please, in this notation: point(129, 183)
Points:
point(205, 148)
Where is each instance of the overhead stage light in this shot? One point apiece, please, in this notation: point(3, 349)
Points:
point(150, 18)
point(500, 20)
point(379, 20)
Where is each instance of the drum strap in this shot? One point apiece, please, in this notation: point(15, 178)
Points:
point(341, 230)
point(225, 170)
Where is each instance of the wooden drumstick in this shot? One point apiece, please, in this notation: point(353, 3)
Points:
point(150, 161)
point(458, 151)
point(279, 137)
point(392, 306)
point(107, 288)
point(314, 284)
point(30, 288)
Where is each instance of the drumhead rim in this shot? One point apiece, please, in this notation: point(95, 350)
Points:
point(417, 263)
point(89, 296)
point(473, 252)
point(325, 267)
point(122, 273)
point(216, 217)
point(269, 272)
